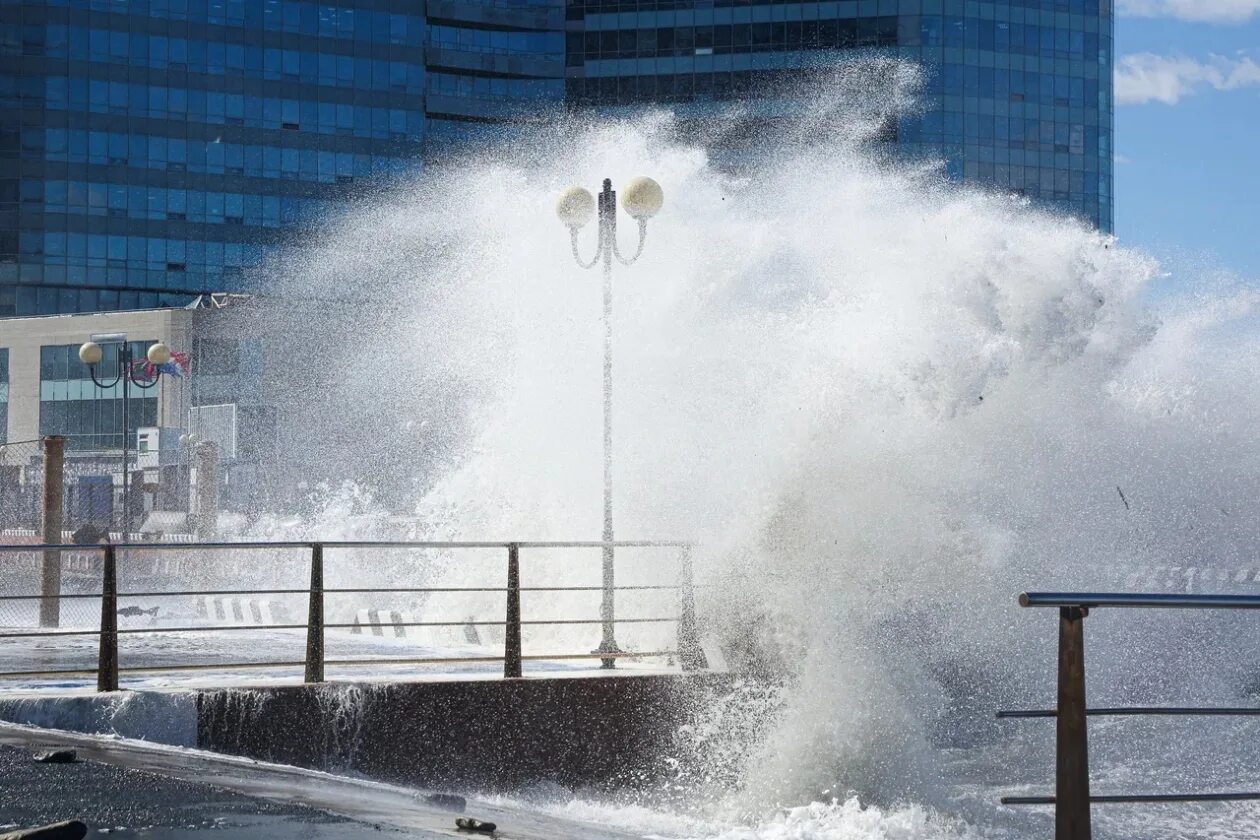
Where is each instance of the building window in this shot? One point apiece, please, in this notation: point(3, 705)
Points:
point(90, 418)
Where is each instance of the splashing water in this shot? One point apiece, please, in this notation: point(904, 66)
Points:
point(888, 402)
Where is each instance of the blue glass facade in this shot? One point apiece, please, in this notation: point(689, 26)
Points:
point(1017, 93)
point(151, 150)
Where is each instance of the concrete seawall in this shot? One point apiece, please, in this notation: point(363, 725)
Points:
point(608, 732)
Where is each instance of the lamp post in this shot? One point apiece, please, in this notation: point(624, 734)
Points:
point(158, 355)
point(642, 199)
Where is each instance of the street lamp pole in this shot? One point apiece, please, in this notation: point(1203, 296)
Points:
point(91, 354)
point(642, 198)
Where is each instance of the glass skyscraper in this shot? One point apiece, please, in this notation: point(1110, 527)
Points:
point(1017, 92)
point(154, 149)
point(151, 150)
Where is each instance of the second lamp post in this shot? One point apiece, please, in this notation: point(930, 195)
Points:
point(641, 199)
point(126, 375)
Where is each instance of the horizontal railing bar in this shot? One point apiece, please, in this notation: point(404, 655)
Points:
point(495, 623)
point(52, 673)
point(41, 597)
point(145, 669)
point(1157, 599)
point(594, 588)
point(353, 544)
point(492, 589)
point(611, 544)
point(405, 544)
point(1141, 797)
point(157, 546)
point(49, 634)
point(176, 594)
point(214, 628)
point(194, 592)
point(151, 630)
point(506, 543)
point(423, 660)
point(136, 631)
point(387, 590)
point(1135, 710)
point(598, 655)
point(601, 621)
point(387, 624)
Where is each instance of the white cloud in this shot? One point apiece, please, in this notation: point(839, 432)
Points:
point(1147, 77)
point(1211, 11)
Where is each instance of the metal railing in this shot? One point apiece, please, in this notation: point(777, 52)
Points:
point(1072, 798)
point(688, 650)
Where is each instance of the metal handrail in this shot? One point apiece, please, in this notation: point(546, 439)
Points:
point(1242, 796)
point(689, 651)
point(1095, 600)
point(347, 663)
point(393, 590)
point(1072, 799)
point(439, 544)
point(141, 631)
point(1121, 711)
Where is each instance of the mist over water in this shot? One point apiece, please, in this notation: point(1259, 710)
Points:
point(880, 403)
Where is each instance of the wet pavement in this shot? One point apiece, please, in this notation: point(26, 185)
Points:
point(133, 789)
point(125, 803)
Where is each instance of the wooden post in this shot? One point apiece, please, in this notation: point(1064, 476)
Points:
point(315, 618)
point(512, 630)
point(107, 664)
point(1071, 808)
point(51, 524)
point(690, 654)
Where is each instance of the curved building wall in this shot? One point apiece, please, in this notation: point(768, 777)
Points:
point(163, 148)
point(1017, 93)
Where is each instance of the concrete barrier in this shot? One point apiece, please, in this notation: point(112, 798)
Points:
point(607, 732)
point(604, 732)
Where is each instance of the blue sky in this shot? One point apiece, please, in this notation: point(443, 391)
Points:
point(1188, 133)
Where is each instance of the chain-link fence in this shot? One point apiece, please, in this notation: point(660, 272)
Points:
point(93, 496)
point(91, 508)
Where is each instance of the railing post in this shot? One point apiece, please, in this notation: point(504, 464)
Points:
point(107, 662)
point(51, 523)
point(690, 654)
point(512, 629)
point(315, 618)
point(1071, 808)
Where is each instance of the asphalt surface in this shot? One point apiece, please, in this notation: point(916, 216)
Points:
point(140, 789)
point(120, 803)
